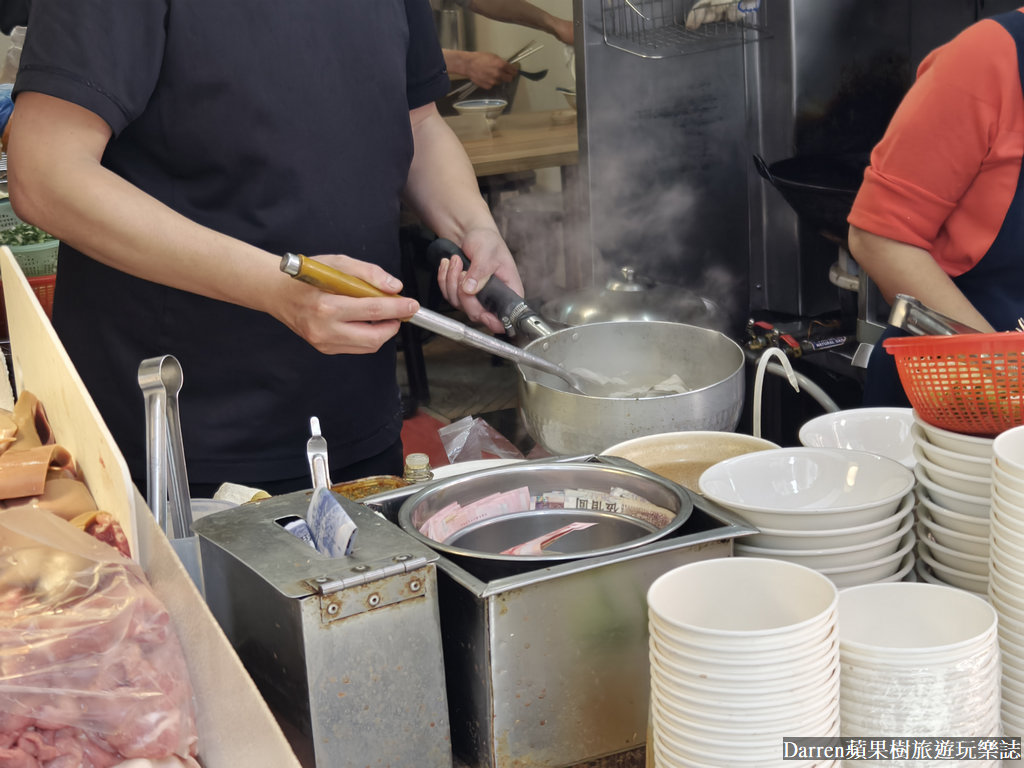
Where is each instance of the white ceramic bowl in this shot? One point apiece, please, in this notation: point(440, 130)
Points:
point(953, 480)
point(980, 466)
point(954, 558)
point(965, 503)
point(683, 456)
point(883, 431)
point(972, 445)
point(833, 557)
point(937, 572)
point(957, 521)
point(877, 570)
point(808, 488)
point(903, 573)
point(489, 108)
point(742, 600)
point(1008, 448)
point(948, 537)
point(778, 538)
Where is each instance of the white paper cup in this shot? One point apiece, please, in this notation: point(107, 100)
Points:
point(903, 622)
point(744, 601)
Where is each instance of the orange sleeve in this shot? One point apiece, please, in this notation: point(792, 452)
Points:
point(945, 172)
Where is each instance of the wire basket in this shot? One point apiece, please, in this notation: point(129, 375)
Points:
point(35, 259)
point(657, 29)
point(971, 383)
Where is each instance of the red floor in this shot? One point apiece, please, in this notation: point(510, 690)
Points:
point(419, 435)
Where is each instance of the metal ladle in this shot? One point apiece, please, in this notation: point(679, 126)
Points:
point(332, 280)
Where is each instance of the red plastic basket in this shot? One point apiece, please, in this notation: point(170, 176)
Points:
point(971, 383)
point(43, 288)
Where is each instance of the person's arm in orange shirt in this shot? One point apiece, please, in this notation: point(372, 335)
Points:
point(897, 267)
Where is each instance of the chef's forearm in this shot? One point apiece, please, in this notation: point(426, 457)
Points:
point(897, 267)
point(516, 12)
point(442, 188)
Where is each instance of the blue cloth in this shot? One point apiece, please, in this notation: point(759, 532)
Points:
point(6, 104)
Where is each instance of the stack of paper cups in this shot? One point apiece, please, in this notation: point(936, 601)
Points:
point(1006, 569)
point(744, 653)
point(918, 660)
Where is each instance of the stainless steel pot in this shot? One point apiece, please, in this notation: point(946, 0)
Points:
point(710, 364)
point(478, 547)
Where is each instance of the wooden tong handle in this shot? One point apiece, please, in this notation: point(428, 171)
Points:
point(327, 278)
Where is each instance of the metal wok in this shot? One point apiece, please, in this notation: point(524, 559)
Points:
point(710, 364)
point(820, 188)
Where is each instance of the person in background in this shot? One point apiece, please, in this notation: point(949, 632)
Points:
point(940, 213)
point(177, 151)
point(487, 70)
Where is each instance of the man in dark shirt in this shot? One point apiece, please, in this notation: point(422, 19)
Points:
point(178, 149)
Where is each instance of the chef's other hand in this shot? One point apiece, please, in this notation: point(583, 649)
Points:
point(488, 256)
point(487, 70)
point(339, 324)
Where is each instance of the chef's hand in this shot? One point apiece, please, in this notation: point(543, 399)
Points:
point(341, 325)
point(488, 256)
point(487, 70)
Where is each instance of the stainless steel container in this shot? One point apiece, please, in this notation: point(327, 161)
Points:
point(549, 667)
point(709, 363)
point(346, 651)
point(614, 527)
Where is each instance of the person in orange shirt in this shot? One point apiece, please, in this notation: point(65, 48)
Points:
point(940, 213)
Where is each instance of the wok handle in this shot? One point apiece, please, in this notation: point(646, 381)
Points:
point(762, 168)
point(513, 311)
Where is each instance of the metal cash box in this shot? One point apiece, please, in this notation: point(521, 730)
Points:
point(346, 651)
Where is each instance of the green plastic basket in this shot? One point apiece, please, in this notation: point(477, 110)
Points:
point(36, 259)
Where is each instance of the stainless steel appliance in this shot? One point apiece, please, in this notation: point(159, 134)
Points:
point(669, 127)
point(548, 667)
point(346, 651)
point(375, 659)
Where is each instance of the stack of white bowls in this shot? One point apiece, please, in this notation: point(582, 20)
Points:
point(847, 514)
point(918, 659)
point(954, 488)
point(1006, 569)
point(885, 431)
point(743, 653)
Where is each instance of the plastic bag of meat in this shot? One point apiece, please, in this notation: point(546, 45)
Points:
point(91, 672)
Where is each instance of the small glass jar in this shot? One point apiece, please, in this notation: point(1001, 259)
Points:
point(417, 468)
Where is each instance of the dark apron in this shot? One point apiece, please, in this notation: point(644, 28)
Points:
point(995, 285)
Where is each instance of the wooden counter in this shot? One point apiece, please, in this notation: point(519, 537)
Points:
point(519, 141)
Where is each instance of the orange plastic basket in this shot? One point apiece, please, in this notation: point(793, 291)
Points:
point(971, 383)
point(43, 288)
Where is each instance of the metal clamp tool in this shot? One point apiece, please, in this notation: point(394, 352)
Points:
point(160, 379)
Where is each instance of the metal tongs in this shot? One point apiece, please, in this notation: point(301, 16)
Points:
point(911, 315)
point(326, 278)
point(470, 87)
point(160, 379)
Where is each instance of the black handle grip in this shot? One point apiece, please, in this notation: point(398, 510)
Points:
point(495, 295)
